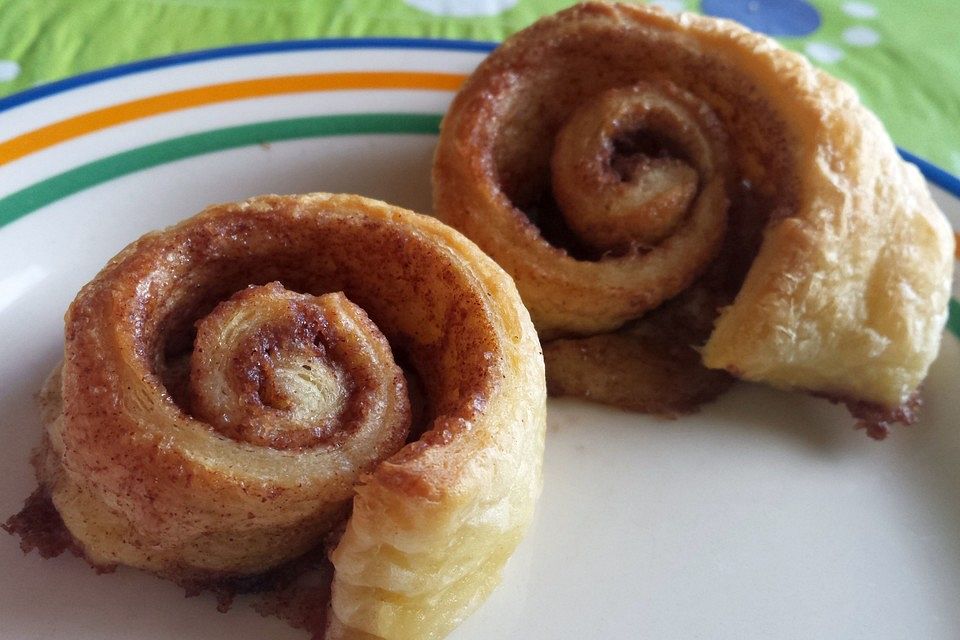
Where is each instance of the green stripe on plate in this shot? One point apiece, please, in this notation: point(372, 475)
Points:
point(22, 202)
point(953, 320)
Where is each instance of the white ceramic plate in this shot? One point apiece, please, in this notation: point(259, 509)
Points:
point(764, 516)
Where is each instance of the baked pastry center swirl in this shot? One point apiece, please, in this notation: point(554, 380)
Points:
point(291, 371)
point(632, 165)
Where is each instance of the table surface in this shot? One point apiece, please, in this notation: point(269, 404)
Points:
point(901, 56)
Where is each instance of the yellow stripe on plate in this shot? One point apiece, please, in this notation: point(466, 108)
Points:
point(85, 123)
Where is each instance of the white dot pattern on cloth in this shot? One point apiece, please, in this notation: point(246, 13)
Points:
point(673, 6)
point(859, 9)
point(462, 8)
point(861, 36)
point(823, 52)
point(8, 70)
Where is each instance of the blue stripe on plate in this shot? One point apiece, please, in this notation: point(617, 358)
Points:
point(940, 177)
point(92, 77)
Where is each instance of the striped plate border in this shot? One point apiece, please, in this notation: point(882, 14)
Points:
point(37, 195)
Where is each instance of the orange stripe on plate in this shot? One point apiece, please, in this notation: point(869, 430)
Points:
point(956, 244)
point(117, 114)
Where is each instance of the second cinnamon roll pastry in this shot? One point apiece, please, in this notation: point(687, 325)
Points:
point(681, 201)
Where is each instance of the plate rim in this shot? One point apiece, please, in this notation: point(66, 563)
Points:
point(95, 76)
point(931, 171)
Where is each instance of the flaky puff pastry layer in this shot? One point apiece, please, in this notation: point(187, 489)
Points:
point(835, 271)
point(139, 480)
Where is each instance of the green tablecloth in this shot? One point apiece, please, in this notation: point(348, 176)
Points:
point(903, 57)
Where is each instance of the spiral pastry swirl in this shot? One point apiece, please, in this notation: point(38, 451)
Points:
point(229, 395)
point(680, 199)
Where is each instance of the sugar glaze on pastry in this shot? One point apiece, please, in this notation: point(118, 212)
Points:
point(678, 190)
point(230, 398)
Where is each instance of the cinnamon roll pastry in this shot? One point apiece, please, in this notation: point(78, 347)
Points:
point(230, 395)
point(681, 200)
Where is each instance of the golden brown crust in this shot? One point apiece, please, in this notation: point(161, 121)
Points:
point(648, 366)
point(303, 401)
point(835, 270)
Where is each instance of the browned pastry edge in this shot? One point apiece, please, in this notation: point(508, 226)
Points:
point(279, 592)
point(877, 420)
